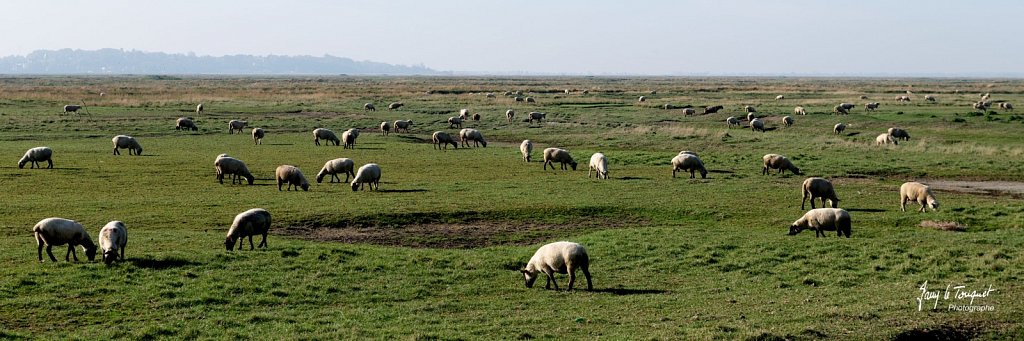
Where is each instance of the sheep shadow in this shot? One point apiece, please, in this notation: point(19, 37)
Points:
point(625, 292)
point(369, 148)
point(280, 144)
point(720, 171)
point(161, 264)
point(853, 134)
point(633, 178)
point(872, 210)
point(771, 128)
point(401, 190)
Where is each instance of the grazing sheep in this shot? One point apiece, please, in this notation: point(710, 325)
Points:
point(518, 99)
point(788, 121)
point(537, 116)
point(982, 105)
point(526, 148)
point(509, 114)
point(257, 135)
point(567, 91)
point(59, 231)
point(468, 134)
point(756, 124)
point(333, 167)
point(454, 122)
point(818, 188)
point(185, 123)
point(491, 95)
point(780, 97)
point(113, 239)
point(799, 111)
point(552, 155)
point(863, 97)
point(368, 174)
point(688, 161)
point(598, 163)
point(476, 116)
point(35, 156)
point(871, 106)
point(847, 106)
point(917, 192)
point(689, 111)
point(821, 220)
point(247, 224)
point(558, 257)
point(1006, 106)
point(884, 139)
point(293, 176)
point(712, 109)
point(668, 106)
point(236, 125)
point(839, 110)
point(385, 128)
point(929, 98)
point(749, 109)
point(641, 99)
point(732, 121)
point(654, 92)
point(507, 94)
point(464, 114)
point(442, 138)
point(586, 92)
point(326, 135)
point(530, 100)
point(369, 107)
point(226, 165)
point(395, 105)
point(127, 142)
point(903, 98)
point(899, 134)
point(349, 138)
point(750, 116)
point(199, 108)
point(780, 162)
point(402, 125)
point(71, 108)
point(838, 129)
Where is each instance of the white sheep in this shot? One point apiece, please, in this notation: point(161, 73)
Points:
point(526, 148)
point(199, 108)
point(732, 121)
point(333, 167)
point(226, 165)
point(815, 188)
point(838, 128)
point(788, 121)
point(454, 122)
point(185, 123)
point(903, 98)
point(537, 116)
point(558, 257)
point(509, 114)
point(780, 162)
point(369, 107)
point(385, 128)
point(586, 92)
point(749, 109)
point(871, 106)
point(884, 139)
point(780, 97)
point(349, 138)
point(1006, 106)
point(395, 105)
point(236, 125)
point(368, 174)
point(257, 135)
point(552, 155)
point(468, 134)
point(443, 138)
point(799, 111)
point(917, 192)
point(929, 98)
point(326, 135)
point(641, 99)
point(59, 231)
point(599, 164)
point(127, 142)
point(113, 239)
point(982, 105)
point(402, 125)
point(247, 224)
point(899, 134)
point(689, 111)
point(464, 114)
point(293, 176)
point(688, 161)
point(35, 156)
point(821, 220)
point(756, 124)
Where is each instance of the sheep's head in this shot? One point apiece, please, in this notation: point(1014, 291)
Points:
point(528, 277)
point(109, 256)
point(320, 177)
point(229, 243)
point(250, 178)
point(483, 143)
point(796, 171)
point(932, 203)
point(90, 252)
point(305, 186)
point(138, 151)
point(21, 164)
point(573, 164)
point(794, 229)
point(703, 173)
point(355, 186)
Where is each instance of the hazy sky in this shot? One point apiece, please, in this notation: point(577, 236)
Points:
point(552, 36)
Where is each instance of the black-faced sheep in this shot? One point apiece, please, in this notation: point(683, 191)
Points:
point(59, 231)
point(71, 108)
point(537, 116)
point(113, 239)
point(641, 99)
point(562, 156)
point(443, 138)
point(558, 257)
point(599, 164)
point(688, 161)
point(35, 156)
point(821, 220)
point(780, 97)
point(468, 134)
point(247, 224)
point(326, 135)
point(899, 134)
point(818, 188)
point(127, 142)
point(476, 117)
point(917, 192)
point(368, 174)
point(291, 175)
point(780, 162)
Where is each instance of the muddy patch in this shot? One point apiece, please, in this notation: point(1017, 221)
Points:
point(1010, 188)
point(944, 225)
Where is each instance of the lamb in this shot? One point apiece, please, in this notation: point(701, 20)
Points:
point(839, 110)
point(369, 174)
point(799, 111)
point(395, 105)
point(226, 165)
point(526, 148)
point(818, 188)
point(464, 114)
point(750, 116)
point(537, 116)
point(567, 91)
point(530, 100)
point(929, 98)
point(185, 123)
point(654, 92)
point(689, 111)
point(333, 167)
point(780, 162)
point(732, 121)
point(884, 139)
point(712, 109)
point(599, 164)
point(293, 176)
point(127, 142)
point(369, 107)
point(349, 138)
point(199, 108)
point(780, 97)
point(871, 106)
point(113, 239)
point(838, 129)
point(59, 231)
point(257, 135)
point(552, 155)
point(756, 124)
point(327, 135)
point(917, 192)
point(1006, 106)
point(474, 135)
point(454, 121)
point(899, 134)
point(476, 116)
point(821, 220)
point(509, 114)
point(688, 161)
point(641, 99)
point(236, 125)
point(402, 125)
point(385, 128)
point(71, 108)
point(442, 138)
point(558, 257)
point(35, 156)
point(749, 109)
point(247, 224)
point(788, 121)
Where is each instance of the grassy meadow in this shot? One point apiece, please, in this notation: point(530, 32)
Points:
point(434, 254)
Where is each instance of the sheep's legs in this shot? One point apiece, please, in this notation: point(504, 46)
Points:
point(903, 204)
point(122, 254)
point(251, 246)
point(116, 152)
point(49, 252)
point(572, 279)
point(586, 273)
point(71, 252)
point(264, 242)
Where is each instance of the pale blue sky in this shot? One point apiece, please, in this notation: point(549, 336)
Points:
point(595, 37)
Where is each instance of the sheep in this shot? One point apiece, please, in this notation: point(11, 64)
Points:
point(333, 167)
point(464, 114)
point(788, 121)
point(226, 165)
point(247, 224)
point(558, 257)
point(293, 176)
point(518, 99)
point(368, 174)
point(466, 135)
point(863, 97)
point(395, 105)
point(756, 124)
point(537, 116)
point(982, 105)
point(821, 220)
point(586, 92)
point(985, 97)
point(385, 128)
point(234, 125)
point(369, 107)
point(847, 106)
point(491, 95)
point(899, 134)
point(185, 123)
point(917, 192)
point(712, 109)
point(507, 94)
point(454, 122)
point(799, 111)
point(654, 92)
point(870, 106)
point(530, 100)
point(509, 114)
point(780, 162)
point(349, 138)
point(839, 110)
point(199, 108)
point(689, 111)
point(885, 138)
point(750, 116)
point(903, 98)
point(688, 161)
point(59, 231)
point(780, 97)
point(476, 117)
point(567, 91)
point(818, 188)
point(599, 164)
point(526, 148)
point(838, 129)
point(732, 121)
point(127, 142)
point(749, 109)
point(400, 125)
point(71, 108)
point(113, 239)
point(641, 99)
point(327, 135)
point(35, 156)
point(1006, 106)
point(552, 155)
point(442, 138)
point(929, 98)
point(668, 106)
point(257, 135)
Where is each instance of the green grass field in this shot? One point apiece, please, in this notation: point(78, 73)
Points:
point(435, 253)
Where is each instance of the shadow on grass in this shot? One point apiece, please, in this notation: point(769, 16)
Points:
point(161, 264)
point(401, 190)
point(853, 134)
point(280, 144)
point(873, 210)
point(720, 171)
point(633, 178)
point(624, 291)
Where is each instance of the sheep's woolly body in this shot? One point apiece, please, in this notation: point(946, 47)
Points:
point(815, 188)
point(562, 156)
point(919, 193)
point(780, 162)
point(113, 239)
point(823, 219)
point(443, 138)
point(326, 135)
point(226, 165)
point(257, 135)
point(334, 167)
point(688, 161)
point(247, 224)
point(367, 174)
point(126, 142)
point(236, 126)
point(558, 257)
point(884, 139)
point(402, 125)
point(467, 135)
point(185, 123)
point(292, 176)
point(35, 156)
point(526, 148)
point(59, 231)
point(838, 128)
point(599, 164)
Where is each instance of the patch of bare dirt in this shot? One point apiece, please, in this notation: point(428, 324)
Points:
point(1011, 188)
point(944, 225)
